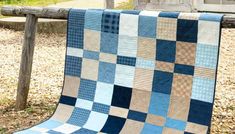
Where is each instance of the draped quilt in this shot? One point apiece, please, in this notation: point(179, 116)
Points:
point(136, 72)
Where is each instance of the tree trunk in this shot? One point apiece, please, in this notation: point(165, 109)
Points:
point(110, 4)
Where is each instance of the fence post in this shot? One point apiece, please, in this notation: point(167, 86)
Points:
point(26, 61)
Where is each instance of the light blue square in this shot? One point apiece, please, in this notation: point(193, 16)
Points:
point(79, 117)
point(104, 93)
point(151, 129)
point(127, 46)
point(159, 104)
point(175, 124)
point(203, 89)
point(28, 131)
point(91, 55)
point(147, 26)
point(206, 56)
point(106, 72)
point(50, 124)
point(211, 17)
point(93, 19)
point(146, 64)
point(109, 43)
point(124, 75)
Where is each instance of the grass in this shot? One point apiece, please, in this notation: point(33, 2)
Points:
point(126, 5)
point(30, 2)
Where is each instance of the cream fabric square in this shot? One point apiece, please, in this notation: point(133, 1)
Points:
point(189, 16)
point(60, 113)
point(76, 52)
point(90, 69)
point(118, 111)
point(71, 86)
point(143, 79)
point(166, 28)
point(128, 25)
point(132, 127)
point(209, 37)
point(91, 40)
point(196, 128)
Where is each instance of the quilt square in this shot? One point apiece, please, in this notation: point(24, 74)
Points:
point(87, 89)
point(166, 51)
point(84, 131)
point(204, 73)
point(175, 124)
point(196, 128)
point(185, 53)
point(140, 100)
point(184, 69)
point(166, 28)
point(67, 100)
point(101, 108)
point(75, 52)
point(143, 79)
point(169, 14)
point(106, 72)
point(79, 117)
point(146, 47)
point(50, 124)
point(145, 64)
point(109, 58)
point(164, 66)
point(66, 128)
point(200, 112)
point(84, 104)
point(91, 55)
point(147, 26)
point(60, 114)
point(91, 40)
point(155, 120)
point(113, 125)
point(118, 112)
point(124, 75)
point(187, 30)
point(90, 69)
point(126, 60)
point(151, 129)
point(129, 25)
point(71, 86)
point(132, 126)
point(162, 82)
point(110, 22)
point(189, 16)
point(109, 43)
point(127, 46)
point(93, 19)
point(159, 104)
point(171, 131)
point(103, 93)
point(121, 97)
point(73, 66)
point(138, 116)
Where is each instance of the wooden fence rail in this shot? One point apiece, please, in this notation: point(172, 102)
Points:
point(32, 14)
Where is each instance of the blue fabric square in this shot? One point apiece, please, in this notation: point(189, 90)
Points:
point(75, 28)
point(50, 124)
point(200, 112)
point(106, 72)
point(91, 55)
point(166, 51)
point(93, 19)
point(67, 100)
point(73, 66)
point(135, 12)
point(84, 131)
point(162, 82)
point(126, 60)
point(159, 104)
point(187, 30)
point(121, 96)
point(147, 26)
point(28, 131)
point(184, 69)
point(110, 22)
point(113, 125)
point(79, 117)
point(206, 56)
point(211, 17)
point(175, 124)
point(101, 108)
point(87, 89)
point(50, 132)
point(151, 129)
point(138, 116)
point(109, 43)
point(169, 14)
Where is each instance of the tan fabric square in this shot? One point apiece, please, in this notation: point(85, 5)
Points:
point(155, 120)
point(132, 127)
point(182, 85)
point(185, 53)
point(63, 112)
point(71, 86)
point(91, 40)
point(189, 16)
point(179, 108)
point(171, 131)
point(118, 111)
point(196, 128)
point(204, 72)
point(110, 58)
point(164, 66)
point(140, 100)
point(90, 69)
point(146, 48)
point(143, 79)
point(166, 28)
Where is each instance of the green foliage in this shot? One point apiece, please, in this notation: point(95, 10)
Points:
point(126, 5)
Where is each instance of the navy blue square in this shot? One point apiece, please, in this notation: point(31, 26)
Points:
point(110, 22)
point(166, 51)
point(187, 30)
point(184, 69)
point(162, 82)
point(200, 112)
point(187, 133)
point(121, 96)
point(73, 66)
point(138, 116)
point(126, 60)
point(68, 100)
point(113, 125)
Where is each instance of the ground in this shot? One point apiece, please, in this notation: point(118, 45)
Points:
point(47, 80)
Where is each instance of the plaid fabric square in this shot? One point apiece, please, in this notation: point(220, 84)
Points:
point(137, 72)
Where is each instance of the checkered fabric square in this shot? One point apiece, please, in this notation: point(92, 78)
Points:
point(136, 72)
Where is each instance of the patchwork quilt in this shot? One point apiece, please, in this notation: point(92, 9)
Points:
point(136, 72)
